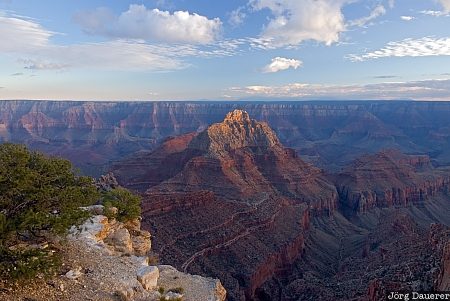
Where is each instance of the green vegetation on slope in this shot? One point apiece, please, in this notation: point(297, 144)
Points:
point(40, 198)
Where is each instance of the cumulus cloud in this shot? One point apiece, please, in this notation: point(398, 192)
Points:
point(150, 25)
point(295, 21)
point(407, 18)
point(428, 46)
point(419, 90)
point(281, 63)
point(375, 13)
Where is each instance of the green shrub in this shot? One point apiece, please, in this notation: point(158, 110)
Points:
point(39, 196)
point(26, 264)
point(128, 204)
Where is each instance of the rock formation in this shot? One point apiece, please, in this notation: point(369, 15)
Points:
point(244, 199)
point(388, 179)
point(150, 282)
point(238, 158)
point(101, 261)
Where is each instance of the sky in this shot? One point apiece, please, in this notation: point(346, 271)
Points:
point(225, 50)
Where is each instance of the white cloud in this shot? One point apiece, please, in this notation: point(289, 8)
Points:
point(428, 46)
point(407, 18)
point(295, 21)
point(237, 17)
point(419, 90)
point(445, 5)
point(434, 13)
point(21, 34)
point(375, 13)
point(42, 65)
point(281, 63)
point(30, 44)
point(113, 55)
point(151, 25)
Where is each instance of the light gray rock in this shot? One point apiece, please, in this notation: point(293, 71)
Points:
point(74, 274)
point(92, 231)
point(196, 288)
point(171, 296)
point(148, 276)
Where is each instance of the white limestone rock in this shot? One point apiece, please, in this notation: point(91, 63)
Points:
point(148, 276)
point(196, 288)
point(93, 230)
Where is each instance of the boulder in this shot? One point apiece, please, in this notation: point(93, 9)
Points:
point(120, 240)
point(125, 295)
point(92, 231)
point(141, 243)
point(148, 276)
point(195, 288)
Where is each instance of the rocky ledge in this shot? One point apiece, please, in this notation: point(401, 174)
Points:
point(104, 259)
point(145, 280)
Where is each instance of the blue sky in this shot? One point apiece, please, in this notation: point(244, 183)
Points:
point(225, 50)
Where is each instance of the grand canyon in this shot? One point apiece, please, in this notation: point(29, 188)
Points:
point(278, 200)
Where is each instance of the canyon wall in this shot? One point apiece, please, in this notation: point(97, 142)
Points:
point(329, 134)
point(388, 179)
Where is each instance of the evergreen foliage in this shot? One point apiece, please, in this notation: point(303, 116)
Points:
point(128, 204)
point(40, 197)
